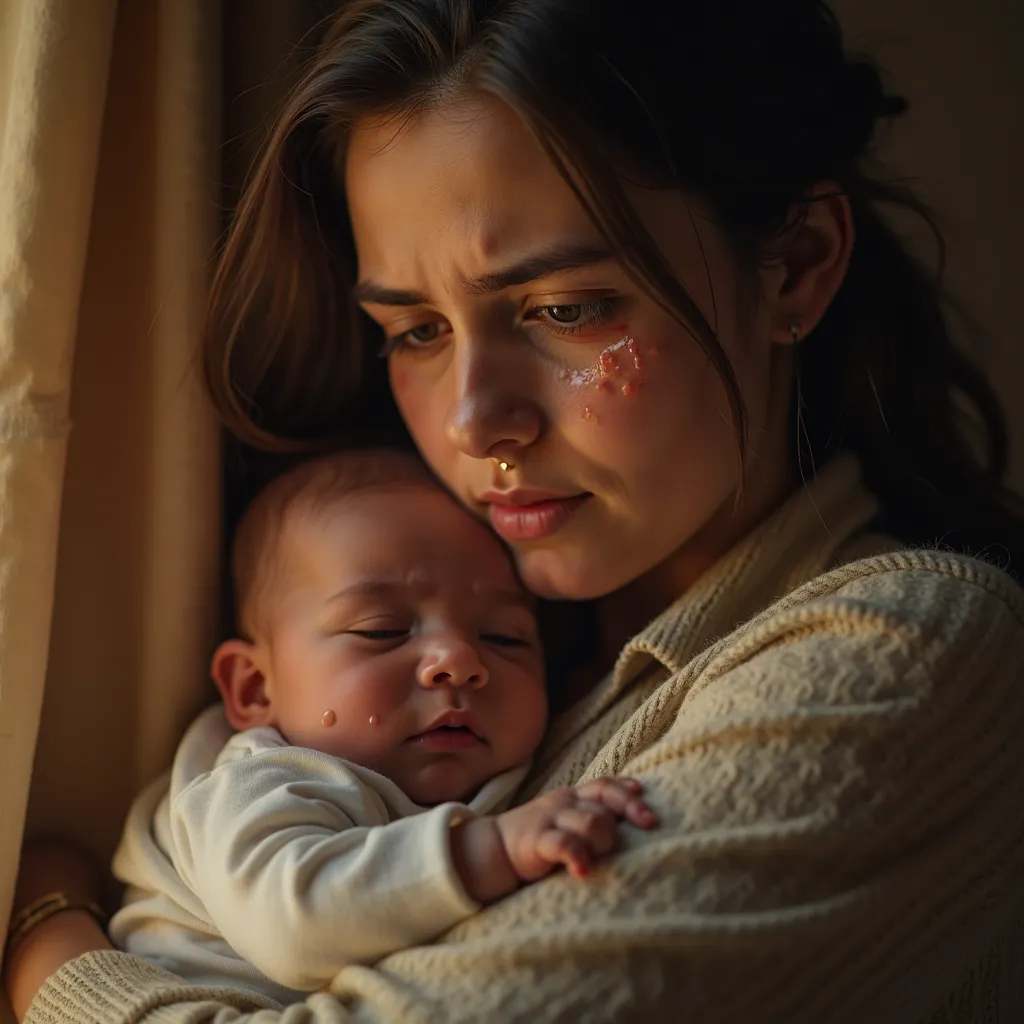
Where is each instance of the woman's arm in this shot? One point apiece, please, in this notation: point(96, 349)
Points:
point(46, 868)
point(839, 791)
point(52, 944)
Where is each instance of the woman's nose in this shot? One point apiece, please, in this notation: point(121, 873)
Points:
point(490, 415)
point(453, 663)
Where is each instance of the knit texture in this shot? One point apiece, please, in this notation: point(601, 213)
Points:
point(834, 750)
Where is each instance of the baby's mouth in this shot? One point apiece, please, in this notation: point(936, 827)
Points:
point(454, 729)
point(448, 737)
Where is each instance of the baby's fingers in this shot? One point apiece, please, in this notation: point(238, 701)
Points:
point(592, 822)
point(558, 847)
point(621, 796)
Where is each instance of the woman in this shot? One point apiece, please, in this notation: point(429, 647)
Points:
point(639, 308)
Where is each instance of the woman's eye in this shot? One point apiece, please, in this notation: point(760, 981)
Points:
point(504, 640)
point(574, 317)
point(419, 337)
point(424, 333)
point(565, 314)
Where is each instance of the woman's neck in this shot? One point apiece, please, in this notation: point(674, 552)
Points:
point(624, 613)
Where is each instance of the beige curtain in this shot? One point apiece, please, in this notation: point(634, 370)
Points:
point(109, 125)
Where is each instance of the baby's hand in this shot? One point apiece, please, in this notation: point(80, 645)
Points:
point(573, 826)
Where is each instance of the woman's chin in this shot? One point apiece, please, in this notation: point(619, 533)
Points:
point(557, 576)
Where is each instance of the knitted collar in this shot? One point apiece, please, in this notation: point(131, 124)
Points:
point(801, 540)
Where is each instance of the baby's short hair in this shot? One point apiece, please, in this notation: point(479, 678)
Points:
point(311, 488)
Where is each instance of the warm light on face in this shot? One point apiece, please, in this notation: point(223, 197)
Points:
point(616, 423)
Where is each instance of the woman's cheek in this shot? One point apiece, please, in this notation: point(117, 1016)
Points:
point(645, 401)
point(613, 389)
point(420, 410)
point(404, 392)
point(399, 378)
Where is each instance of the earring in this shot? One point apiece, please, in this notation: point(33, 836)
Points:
point(505, 466)
point(794, 330)
point(328, 718)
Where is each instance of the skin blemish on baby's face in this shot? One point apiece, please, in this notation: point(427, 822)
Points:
point(417, 577)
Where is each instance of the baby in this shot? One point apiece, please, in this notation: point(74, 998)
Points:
point(348, 798)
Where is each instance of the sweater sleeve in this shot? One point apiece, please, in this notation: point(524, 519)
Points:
point(278, 849)
point(839, 788)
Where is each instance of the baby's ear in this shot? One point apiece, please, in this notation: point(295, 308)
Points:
point(237, 669)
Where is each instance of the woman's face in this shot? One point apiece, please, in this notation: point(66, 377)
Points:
point(515, 338)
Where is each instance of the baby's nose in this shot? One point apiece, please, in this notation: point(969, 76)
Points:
point(453, 663)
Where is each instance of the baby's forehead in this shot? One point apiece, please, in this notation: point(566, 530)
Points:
point(317, 520)
point(387, 534)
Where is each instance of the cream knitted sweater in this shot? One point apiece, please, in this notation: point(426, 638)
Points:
point(834, 745)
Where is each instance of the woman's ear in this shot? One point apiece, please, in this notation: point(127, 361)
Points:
point(803, 284)
point(237, 669)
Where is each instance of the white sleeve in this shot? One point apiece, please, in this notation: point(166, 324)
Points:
point(277, 848)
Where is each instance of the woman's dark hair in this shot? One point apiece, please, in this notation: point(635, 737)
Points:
point(747, 104)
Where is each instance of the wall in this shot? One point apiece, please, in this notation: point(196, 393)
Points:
point(964, 140)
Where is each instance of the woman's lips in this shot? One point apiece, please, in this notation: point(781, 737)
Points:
point(534, 520)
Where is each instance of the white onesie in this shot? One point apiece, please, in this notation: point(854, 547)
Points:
point(257, 864)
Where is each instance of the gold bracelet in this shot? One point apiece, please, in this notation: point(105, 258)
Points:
point(43, 909)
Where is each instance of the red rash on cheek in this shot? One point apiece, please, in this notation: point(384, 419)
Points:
point(618, 373)
point(631, 348)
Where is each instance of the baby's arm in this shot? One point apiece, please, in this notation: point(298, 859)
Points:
point(573, 827)
point(296, 866)
point(277, 848)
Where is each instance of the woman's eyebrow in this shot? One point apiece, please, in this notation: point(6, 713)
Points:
point(380, 295)
point(556, 259)
point(532, 266)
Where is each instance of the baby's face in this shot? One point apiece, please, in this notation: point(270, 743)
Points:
point(403, 641)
